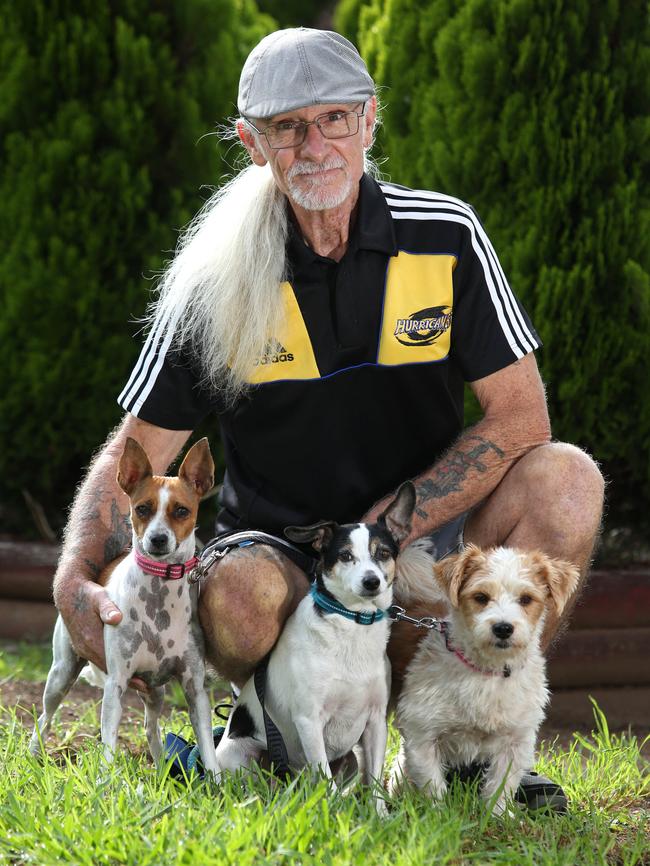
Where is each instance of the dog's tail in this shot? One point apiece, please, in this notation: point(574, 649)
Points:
point(93, 675)
point(415, 581)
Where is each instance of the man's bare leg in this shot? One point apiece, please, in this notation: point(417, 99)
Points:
point(551, 500)
point(243, 606)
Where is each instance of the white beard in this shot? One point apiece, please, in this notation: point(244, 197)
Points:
point(318, 195)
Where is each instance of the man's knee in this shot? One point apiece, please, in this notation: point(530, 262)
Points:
point(567, 486)
point(244, 603)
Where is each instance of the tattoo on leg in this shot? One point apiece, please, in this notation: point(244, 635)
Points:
point(453, 469)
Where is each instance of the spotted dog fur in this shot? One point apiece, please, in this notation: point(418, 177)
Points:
point(159, 636)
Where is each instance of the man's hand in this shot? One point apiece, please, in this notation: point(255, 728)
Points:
point(85, 612)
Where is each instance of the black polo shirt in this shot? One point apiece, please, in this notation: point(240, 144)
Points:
point(364, 387)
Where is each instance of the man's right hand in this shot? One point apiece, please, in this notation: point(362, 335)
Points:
point(85, 609)
point(85, 612)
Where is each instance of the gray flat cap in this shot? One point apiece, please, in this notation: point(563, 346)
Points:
point(298, 67)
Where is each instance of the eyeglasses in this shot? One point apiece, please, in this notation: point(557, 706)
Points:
point(292, 133)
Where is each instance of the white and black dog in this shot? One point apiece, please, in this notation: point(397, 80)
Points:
point(328, 676)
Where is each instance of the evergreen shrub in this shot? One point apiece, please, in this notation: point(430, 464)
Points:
point(537, 112)
point(104, 113)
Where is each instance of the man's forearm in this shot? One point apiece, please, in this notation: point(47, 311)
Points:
point(467, 473)
point(98, 529)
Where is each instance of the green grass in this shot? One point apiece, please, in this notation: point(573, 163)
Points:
point(52, 810)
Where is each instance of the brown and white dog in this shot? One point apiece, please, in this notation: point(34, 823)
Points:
point(476, 691)
point(159, 636)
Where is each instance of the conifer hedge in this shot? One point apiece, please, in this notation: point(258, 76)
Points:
point(537, 112)
point(104, 110)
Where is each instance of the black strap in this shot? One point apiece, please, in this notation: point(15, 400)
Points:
point(274, 743)
point(229, 540)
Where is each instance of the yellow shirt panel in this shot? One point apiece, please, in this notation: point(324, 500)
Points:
point(418, 306)
point(416, 325)
point(290, 354)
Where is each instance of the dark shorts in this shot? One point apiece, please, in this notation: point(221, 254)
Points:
point(444, 541)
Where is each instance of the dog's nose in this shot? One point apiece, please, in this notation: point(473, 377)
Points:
point(503, 630)
point(158, 542)
point(370, 582)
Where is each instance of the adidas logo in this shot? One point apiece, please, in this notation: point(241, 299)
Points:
point(276, 355)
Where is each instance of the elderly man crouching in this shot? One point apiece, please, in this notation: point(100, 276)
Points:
point(330, 321)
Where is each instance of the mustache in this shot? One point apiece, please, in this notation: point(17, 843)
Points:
point(305, 166)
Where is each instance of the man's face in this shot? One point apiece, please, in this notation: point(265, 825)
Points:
point(321, 173)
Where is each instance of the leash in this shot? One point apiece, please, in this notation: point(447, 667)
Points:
point(274, 743)
point(440, 625)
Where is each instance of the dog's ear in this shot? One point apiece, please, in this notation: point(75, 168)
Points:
point(397, 516)
point(320, 534)
point(134, 466)
point(197, 469)
point(453, 571)
point(560, 578)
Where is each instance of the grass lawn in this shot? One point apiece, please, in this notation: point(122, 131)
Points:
point(53, 811)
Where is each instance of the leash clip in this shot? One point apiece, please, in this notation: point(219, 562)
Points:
point(201, 569)
point(397, 613)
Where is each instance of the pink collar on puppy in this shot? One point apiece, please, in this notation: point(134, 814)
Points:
point(502, 673)
point(168, 570)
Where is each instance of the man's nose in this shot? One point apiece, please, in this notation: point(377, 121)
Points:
point(315, 142)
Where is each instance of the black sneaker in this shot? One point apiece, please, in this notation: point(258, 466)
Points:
point(537, 793)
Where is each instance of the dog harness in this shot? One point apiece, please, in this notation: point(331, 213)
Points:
point(168, 571)
point(224, 543)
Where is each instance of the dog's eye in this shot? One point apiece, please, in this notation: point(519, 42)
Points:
point(345, 556)
point(383, 554)
point(180, 511)
point(481, 598)
point(525, 600)
point(143, 510)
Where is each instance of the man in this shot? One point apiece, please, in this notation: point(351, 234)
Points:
point(331, 322)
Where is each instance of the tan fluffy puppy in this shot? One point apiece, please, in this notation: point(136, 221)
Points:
point(476, 692)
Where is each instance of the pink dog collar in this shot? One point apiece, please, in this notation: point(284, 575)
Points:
point(505, 672)
point(169, 571)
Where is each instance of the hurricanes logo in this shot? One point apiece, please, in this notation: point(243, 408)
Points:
point(424, 327)
point(275, 353)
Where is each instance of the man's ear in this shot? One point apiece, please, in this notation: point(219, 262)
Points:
point(250, 140)
point(368, 123)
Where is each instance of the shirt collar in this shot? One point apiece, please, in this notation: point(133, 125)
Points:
point(373, 229)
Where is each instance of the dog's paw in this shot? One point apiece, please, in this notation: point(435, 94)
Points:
point(381, 807)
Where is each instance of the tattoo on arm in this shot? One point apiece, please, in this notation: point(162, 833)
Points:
point(80, 601)
point(120, 535)
point(453, 470)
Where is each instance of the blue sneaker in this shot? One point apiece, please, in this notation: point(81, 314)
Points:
point(186, 756)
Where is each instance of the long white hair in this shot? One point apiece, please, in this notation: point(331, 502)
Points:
point(220, 296)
